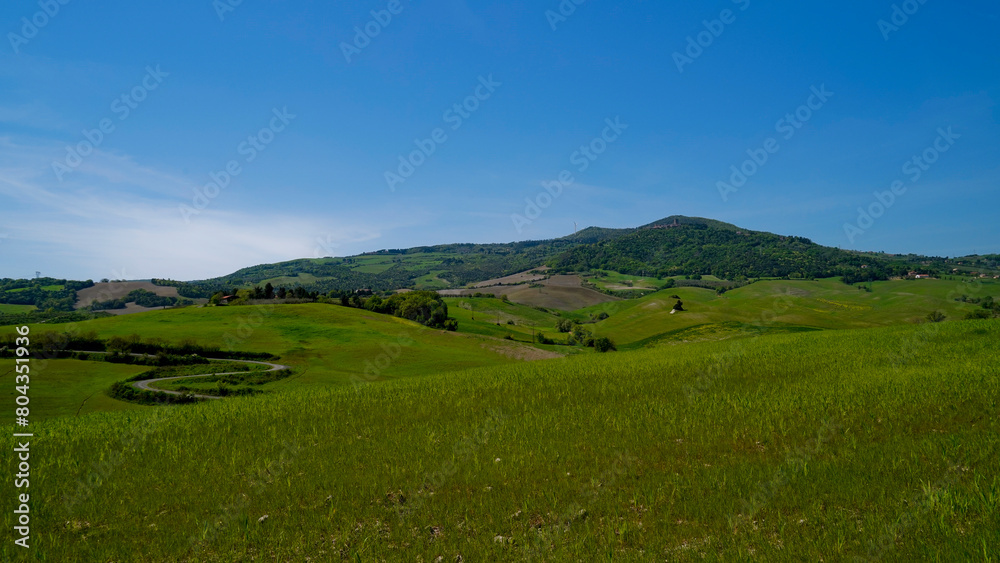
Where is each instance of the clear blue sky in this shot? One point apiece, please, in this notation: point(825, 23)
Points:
point(196, 86)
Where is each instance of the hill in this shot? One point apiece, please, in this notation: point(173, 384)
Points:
point(875, 444)
point(679, 245)
point(675, 245)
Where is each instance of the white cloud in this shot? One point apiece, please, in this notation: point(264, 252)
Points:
point(117, 216)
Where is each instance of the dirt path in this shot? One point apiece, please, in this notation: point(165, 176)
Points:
point(145, 384)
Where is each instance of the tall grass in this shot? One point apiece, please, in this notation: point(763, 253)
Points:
point(817, 446)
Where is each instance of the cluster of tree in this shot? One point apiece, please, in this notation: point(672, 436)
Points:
point(49, 344)
point(191, 290)
point(582, 335)
point(244, 296)
point(49, 317)
point(424, 307)
point(990, 308)
point(698, 249)
point(44, 293)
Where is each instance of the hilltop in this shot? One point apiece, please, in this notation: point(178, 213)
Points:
point(672, 246)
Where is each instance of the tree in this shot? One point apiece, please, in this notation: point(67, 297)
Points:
point(564, 325)
point(604, 344)
point(936, 316)
point(679, 306)
point(268, 291)
point(583, 336)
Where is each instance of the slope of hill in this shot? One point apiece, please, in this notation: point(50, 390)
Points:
point(695, 246)
point(673, 245)
point(877, 444)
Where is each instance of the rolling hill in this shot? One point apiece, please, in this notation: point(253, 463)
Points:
point(675, 245)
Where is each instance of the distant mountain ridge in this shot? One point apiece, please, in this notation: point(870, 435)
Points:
point(674, 245)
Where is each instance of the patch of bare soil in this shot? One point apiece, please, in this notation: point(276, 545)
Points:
point(562, 292)
point(117, 290)
point(514, 279)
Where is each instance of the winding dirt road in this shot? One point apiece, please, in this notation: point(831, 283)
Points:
point(144, 384)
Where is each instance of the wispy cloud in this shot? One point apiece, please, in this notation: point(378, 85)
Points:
point(116, 214)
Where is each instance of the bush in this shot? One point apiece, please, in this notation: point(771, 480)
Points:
point(564, 325)
point(936, 317)
point(604, 344)
point(978, 314)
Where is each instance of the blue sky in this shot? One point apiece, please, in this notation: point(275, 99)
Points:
point(309, 117)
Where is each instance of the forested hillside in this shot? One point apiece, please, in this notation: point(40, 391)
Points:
point(672, 246)
point(728, 253)
point(44, 293)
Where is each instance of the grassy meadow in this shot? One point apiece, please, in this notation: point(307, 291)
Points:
point(880, 444)
point(742, 428)
point(780, 306)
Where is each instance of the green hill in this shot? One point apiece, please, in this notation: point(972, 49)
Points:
point(675, 245)
point(696, 246)
point(875, 444)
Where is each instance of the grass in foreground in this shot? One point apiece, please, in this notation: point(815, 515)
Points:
point(879, 443)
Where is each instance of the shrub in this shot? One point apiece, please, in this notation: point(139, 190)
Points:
point(604, 344)
point(978, 314)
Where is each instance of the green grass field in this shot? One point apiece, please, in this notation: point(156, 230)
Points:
point(877, 443)
point(326, 344)
point(7, 308)
point(782, 306)
point(786, 420)
point(68, 388)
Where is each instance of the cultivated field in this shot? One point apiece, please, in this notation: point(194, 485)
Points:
point(557, 292)
point(117, 290)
